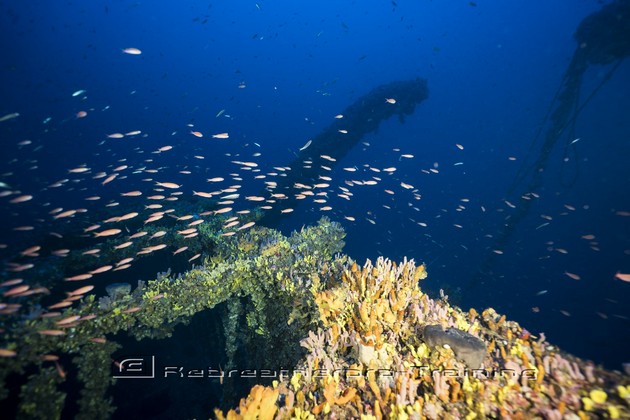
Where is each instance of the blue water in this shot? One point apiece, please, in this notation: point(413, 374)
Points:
point(492, 69)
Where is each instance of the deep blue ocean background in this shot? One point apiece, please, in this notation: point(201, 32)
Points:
point(282, 70)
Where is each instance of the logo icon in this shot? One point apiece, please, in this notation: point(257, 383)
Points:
point(134, 367)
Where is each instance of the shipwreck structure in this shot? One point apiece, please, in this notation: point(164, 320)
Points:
point(603, 38)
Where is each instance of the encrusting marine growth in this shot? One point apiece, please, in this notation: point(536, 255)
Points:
point(384, 349)
point(365, 341)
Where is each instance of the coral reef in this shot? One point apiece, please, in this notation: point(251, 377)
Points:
point(365, 341)
point(369, 358)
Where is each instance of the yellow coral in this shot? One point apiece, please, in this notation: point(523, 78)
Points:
point(598, 396)
point(302, 414)
point(420, 273)
point(384, 290)
point(588, 403)
point(259, 404)
point(462, 324)
point(613, 412)
point(295, 380)
point(372, 321)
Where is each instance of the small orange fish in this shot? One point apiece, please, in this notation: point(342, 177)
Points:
point(11, 282)
point(66, 213)
point(123, 245)
point(132, 194)
point(247, 225)
point(572, 275)
point(132, 51)
point(16, 290)
point(153, 218)
point(223, 210)
point(187, 231)
point(91, 228)
point(19, 267)
point(79, 277)
point(108, 232)
point(622, 276)
point(202, 194)
point(82, 290)
point(182, 249)
point(68, 320)
point(62, 304)
point(52, 332)
point(124, 261)
point(21, 199)
point(127, 216)
point(31, 252)
point(170, 185)
point(109, 179)
point(138, 235)
point(132, 310)
point(101, 269)
point(7, 353)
